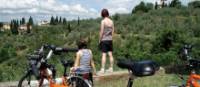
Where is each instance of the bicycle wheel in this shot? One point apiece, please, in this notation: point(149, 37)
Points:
point(76, 81)
point(26, 81)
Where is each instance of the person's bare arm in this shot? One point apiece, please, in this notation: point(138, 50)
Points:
point(101, 31)
point(113, 29)
point(77, 60)
point(93, 66)
point(92, 63)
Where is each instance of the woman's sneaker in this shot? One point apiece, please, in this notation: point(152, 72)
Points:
point(110, 70)
point(102, 71)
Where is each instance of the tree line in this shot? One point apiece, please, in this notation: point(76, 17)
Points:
point(15, 24)
point(145, 7)
point(57, 20)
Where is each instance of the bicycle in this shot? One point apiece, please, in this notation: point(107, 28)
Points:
point(138, 69)
point(192, 65)
point(40, 69)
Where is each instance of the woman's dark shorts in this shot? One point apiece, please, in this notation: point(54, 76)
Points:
point(106, 46)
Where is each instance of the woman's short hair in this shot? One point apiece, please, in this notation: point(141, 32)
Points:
point(82, 44)
point(104, 13)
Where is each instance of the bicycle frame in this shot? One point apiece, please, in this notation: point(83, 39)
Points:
point(193, 80)
point(53, 84)
point(50, 79)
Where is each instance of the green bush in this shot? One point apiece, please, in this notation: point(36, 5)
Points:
point(194, 4)
point(143, 7)
point(166, 40)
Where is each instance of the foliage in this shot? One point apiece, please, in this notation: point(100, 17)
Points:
point(60, 20)
point(194, 4)
point(155, 35)
point(14, 27)
point(30, 21)
point(23, 21)
point(52, 21)
point(156, 5)
point(28, 28)
point(165, 40)
point(56, 21)
point(175, 3)
point(1, 25)
point(64, 21)
point(143, 7)
point(116, 17)
point(78, 21)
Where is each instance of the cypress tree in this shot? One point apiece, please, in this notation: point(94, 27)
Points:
point(1, 25)
point(64, 21)
point(23, 21)
point(78, 21)
point(14, 27)
point(60, 20)
point(30, 22)
point(52, 21)
point(11, 26)
point(156, 5)
point(69, 27)
point(56, 20)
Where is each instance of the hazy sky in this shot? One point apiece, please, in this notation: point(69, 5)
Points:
point(71, 9)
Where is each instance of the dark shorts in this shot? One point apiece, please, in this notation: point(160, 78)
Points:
point(106, 46)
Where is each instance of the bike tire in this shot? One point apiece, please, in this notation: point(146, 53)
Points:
point(76, 81)
point(25, 81)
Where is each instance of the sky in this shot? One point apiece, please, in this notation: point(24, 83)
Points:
point(42, 10)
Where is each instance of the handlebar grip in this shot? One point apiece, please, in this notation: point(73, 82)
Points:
point(34, 57)
point(58, 49)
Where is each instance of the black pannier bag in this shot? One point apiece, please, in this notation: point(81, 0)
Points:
point(141, 68)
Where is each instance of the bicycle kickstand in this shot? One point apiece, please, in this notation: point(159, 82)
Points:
point(131, 79)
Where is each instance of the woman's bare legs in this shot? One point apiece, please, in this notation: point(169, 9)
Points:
point(111, 61)
point(103, 62)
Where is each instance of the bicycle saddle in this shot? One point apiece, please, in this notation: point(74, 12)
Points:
point(67, 63)
point(141, 68)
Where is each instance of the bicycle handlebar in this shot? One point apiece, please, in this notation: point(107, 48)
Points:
point(39, 56)
point(60, 49)
point(70, 50)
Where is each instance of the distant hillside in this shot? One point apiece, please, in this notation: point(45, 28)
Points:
point(157, 35)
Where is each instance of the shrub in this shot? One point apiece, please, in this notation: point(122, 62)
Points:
point(194, 4)
point(143, 7)
point(166, 40)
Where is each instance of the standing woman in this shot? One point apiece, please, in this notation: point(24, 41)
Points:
point(105, 39)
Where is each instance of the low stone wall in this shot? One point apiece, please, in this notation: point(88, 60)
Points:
point(100, 77)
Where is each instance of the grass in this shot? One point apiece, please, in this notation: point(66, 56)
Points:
point(157, 80)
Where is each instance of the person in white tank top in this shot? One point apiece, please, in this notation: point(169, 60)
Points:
point(84, 62)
